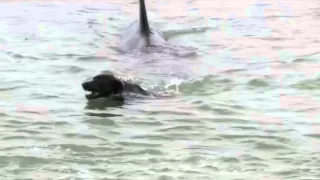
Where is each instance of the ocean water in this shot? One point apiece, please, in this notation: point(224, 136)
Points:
point(245, 106)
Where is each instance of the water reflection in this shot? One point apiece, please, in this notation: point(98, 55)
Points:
point(102, 105)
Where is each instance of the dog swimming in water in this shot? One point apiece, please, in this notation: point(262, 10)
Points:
point(139, 34)
point(107, 84)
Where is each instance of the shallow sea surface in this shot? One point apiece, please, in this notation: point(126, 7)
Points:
point(245, 107)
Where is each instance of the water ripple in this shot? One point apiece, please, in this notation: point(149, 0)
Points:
point(243, 92)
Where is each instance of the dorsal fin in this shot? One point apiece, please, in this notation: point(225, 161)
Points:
point(144, 25)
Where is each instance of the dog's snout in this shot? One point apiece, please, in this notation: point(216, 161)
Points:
point(85, 85)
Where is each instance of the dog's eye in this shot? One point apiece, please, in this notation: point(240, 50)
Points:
point(96, 78)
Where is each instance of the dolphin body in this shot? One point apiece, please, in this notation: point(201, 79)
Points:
point(139, 34)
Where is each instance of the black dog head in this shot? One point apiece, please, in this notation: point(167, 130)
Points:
point(103, 85)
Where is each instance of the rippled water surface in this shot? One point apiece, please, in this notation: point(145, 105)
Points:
point(246, 106)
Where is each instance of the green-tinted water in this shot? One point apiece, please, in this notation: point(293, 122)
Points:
point(247, 106)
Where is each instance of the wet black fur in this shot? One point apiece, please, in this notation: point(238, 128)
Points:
point(105, 85)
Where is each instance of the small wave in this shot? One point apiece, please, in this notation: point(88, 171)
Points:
point(68, 55)
point(85, 11)
point(173, 33)
point(102, 121)
point(274, 38)
point(4, 89)
point(174, 86)
point(20, 56)
point(258, 83)
point(311, 84)
point(277, 17)
point(75, 69)
point(91, 58)
point(200, 84)
point(68, 69)
point(271, 146)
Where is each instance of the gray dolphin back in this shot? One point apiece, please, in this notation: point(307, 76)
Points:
point(139, 33)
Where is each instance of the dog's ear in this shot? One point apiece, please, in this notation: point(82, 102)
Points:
point(117, 86)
